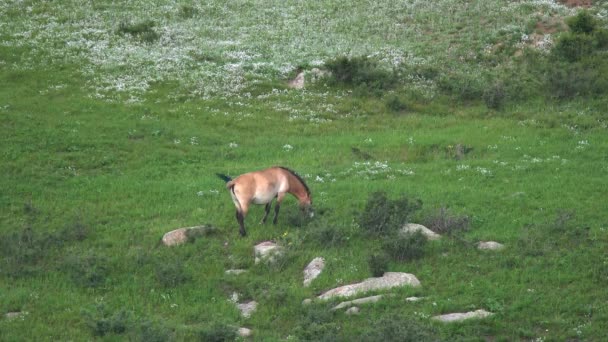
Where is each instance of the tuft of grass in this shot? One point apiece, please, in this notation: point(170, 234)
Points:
point(378, 263)
point(172, 273)
point(444, 222)
point(88, 270)
point(405, 247)
point(143, 30)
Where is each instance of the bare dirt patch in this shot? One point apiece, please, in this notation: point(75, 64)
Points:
point(577, 3)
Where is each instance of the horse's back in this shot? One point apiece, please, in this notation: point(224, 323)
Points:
point(261, 187)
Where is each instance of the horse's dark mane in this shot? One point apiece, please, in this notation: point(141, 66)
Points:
point(298, 177)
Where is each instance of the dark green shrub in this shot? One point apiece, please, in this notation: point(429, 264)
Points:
point(582, 22)
point(464, 86)
point(382, 216)
point(102, 322)
point(316, 325)
point(395, 104)
point(573, 47)
point(443, 222)
point(405, 247)
point(88, 270)
point(218, 332)
point(187, 11)
point(144, 30)
point(495, 95)
point(361, 72)
point(329, 236)
point(151, 331)
point(587, 77)
point(378, 263)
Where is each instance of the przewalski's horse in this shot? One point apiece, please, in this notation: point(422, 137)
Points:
point(261, 187)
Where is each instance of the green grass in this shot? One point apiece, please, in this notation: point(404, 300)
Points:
point(94, 175)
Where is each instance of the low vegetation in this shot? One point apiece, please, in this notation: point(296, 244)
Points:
point(115, 118)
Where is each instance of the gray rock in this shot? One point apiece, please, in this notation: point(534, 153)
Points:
point(314, 268)
point(247, 308)
point(353, 311)
point(307, 301)
point(183, 235)
point(414, 299)
point(298, 82)
point(175, 237)
point(235, 271)
point(14, 315)
point(267, 251)
point(461, 316)
point(411, 228)
point(244, 332)
point(359, 301)
point(490, 245)
point(387, 281)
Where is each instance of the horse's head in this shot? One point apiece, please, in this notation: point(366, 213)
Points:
point(306, 205)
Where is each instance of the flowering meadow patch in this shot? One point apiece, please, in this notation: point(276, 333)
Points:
point(221, 49)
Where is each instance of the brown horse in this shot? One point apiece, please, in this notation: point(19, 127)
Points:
point(261, 187)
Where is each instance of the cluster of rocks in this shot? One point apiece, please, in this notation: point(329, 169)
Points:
point(269, 251)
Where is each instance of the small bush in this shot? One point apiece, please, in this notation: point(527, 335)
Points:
point(583, 78)
point(382, 216)
point(378, 264)
point(316, 325)
point(582, 22)
point(187, 12)
point(495, 96)
point(151, 331)
point(405, 247)
point(443, 222)
point(464, 86)
point(89, 270)
point(102, 322)
point(361, 72)
point(218, 332)
point(144, 30)
point(395, 104)
point(573, 47)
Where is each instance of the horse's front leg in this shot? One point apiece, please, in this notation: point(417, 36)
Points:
point(266, 211)
point(277, 207)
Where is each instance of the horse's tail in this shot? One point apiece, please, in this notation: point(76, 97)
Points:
point(224, 177)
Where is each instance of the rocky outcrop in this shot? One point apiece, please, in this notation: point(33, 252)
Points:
point(359, 301)
point(267, 251)
point(411, 228)
point(387, 281)
point(247, 308)
point(188, 234)
point(314, 268)
point(461, 316)
point(490, 245)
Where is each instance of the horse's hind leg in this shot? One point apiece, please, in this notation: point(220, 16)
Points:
point(266, 211)
point(241, 219)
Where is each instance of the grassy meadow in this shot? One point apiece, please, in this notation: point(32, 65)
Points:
point(116, 116)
